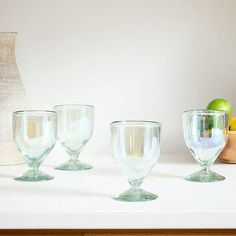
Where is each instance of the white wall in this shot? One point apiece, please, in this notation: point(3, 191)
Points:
point(132, 59)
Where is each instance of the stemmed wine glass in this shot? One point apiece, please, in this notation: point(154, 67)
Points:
point(75, 128)
point(34, 134)
point(205, 133)
point(136, 147)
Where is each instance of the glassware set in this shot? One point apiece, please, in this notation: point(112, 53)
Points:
point(135, 144)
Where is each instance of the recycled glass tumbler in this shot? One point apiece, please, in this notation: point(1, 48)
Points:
point(205, 133)
point(136, 147)
point(75, 128)
point(34, 135)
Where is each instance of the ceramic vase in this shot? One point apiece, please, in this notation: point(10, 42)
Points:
point(12, 97)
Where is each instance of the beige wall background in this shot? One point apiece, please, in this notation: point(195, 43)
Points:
point(132, 59)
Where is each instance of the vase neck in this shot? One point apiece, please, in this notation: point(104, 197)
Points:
point(7, 43)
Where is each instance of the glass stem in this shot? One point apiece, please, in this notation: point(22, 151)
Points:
point(74, 156)
point(206, 169)
point(135, 184)
point(35, 167)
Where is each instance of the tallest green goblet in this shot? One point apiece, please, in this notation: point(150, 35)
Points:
point(34, 134)
point(136, 147)
point(75, 128)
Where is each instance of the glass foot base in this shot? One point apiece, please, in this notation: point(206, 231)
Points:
point(73, 165)
point(204, 176)
point(33, 176)
point(135, 195)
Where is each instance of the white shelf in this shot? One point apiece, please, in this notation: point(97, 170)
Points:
point(82, 200)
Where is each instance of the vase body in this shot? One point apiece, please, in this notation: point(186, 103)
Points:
point(12, 98)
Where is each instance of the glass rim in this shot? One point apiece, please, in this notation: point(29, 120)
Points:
point(204, 111)
point(72, 105)
point(34, 112)
point(135, 122)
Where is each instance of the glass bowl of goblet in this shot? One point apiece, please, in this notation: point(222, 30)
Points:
point(205, 133)
point(74, 128)
point(135, 147)
point(34, 133)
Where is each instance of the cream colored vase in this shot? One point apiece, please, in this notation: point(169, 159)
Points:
point(12, 97)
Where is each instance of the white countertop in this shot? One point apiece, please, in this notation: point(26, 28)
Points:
point(82, 200)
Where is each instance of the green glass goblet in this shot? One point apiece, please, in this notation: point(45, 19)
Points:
point(75, 128)
point(205, 133)
point(136, 147)
point(34, 134)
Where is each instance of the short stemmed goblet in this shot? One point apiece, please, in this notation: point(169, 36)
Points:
point(206, 133)
point(34, 135)
point(75, 128)
point(136, 147)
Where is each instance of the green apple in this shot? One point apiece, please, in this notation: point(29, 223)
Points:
point(220, 104)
